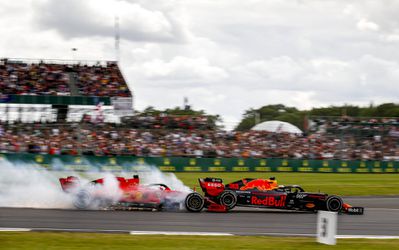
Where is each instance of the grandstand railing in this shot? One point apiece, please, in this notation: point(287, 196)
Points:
point(55, 100)
point(59, 61)
point(47, 116)
point(14, 113)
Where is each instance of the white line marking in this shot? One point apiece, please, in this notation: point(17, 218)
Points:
point(79, 230)
point(179, 233)
point(7, 229)
point(374, 237)
point(382, 208)
point(279, 234)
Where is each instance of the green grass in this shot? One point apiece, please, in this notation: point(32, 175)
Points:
point(44, 240)
point(340, 184)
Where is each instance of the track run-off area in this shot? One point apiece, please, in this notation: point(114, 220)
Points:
point(381, 218)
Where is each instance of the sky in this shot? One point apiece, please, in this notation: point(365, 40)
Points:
point(225, 56)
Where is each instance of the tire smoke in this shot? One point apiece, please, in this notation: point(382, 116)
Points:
point(32, 186)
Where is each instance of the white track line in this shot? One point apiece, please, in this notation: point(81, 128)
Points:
point(78, 230)
point(382, 208)
point(7, 229)
point(374, 237)
point(179, 233)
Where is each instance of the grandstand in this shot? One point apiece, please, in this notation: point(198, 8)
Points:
point(359, 137)
point(47, 86)
point(86, 108)
point(112, 139)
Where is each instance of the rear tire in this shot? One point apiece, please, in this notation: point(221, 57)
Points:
point(83, 200)
point(228, 199)
point(194, 202)
point(334, 203)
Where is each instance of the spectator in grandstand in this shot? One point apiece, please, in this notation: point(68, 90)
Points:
point(109, 139)
point(33, 79)
point(21, 78)
point(164, 121)
point(101, 80)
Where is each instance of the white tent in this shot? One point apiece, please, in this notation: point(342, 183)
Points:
point(277, 127)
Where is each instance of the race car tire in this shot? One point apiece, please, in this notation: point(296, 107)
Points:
point(334, 203)
point(194, 202)
point(83, 200)
point(228, 199)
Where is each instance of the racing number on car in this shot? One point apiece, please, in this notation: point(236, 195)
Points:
point(324, 227)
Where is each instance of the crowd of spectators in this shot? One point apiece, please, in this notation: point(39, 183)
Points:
point(33, 79)
point(99, 80)
point(20, 78)
point(360, 126)
point(110, 139)
point(165, 121)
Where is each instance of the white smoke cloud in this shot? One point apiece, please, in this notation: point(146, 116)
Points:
point(154, 175)
point(29, 185)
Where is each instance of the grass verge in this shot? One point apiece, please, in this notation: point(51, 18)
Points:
point(44, 240)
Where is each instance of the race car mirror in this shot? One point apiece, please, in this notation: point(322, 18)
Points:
point(326, 227)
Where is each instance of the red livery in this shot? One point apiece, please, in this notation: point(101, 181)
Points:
point(122, 193)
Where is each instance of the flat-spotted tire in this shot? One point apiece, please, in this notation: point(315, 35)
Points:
point(334, 203)
point(228, 199)
point(194, 202)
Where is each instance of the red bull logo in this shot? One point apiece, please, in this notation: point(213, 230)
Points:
point(260, 184)
point(269, 201)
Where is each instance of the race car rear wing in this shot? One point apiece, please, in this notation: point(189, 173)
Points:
point(69, 183)
point(211, 186)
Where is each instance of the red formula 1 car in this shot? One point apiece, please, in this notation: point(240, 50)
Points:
point(121, 193)
point(265, 193)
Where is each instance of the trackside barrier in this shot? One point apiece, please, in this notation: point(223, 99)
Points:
point(58, 100)
point(183, 164)
point(326, 227)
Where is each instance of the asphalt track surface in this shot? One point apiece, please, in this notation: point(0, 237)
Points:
point(381, 218)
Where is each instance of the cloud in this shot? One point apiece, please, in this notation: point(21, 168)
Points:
point(392, 37)
point(225, 56)
point(364, 78)
point(197, 70)
point(363, 24)
point(283, 69)
point(79, 19)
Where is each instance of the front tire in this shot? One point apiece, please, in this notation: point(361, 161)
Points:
point(334, 203)
point(228, 199)
point(194, 202)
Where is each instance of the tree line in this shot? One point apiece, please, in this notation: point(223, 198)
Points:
point(297, 117)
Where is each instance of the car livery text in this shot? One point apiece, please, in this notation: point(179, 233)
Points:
point(270, 201)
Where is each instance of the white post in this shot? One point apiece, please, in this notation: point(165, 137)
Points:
point(326, 227)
